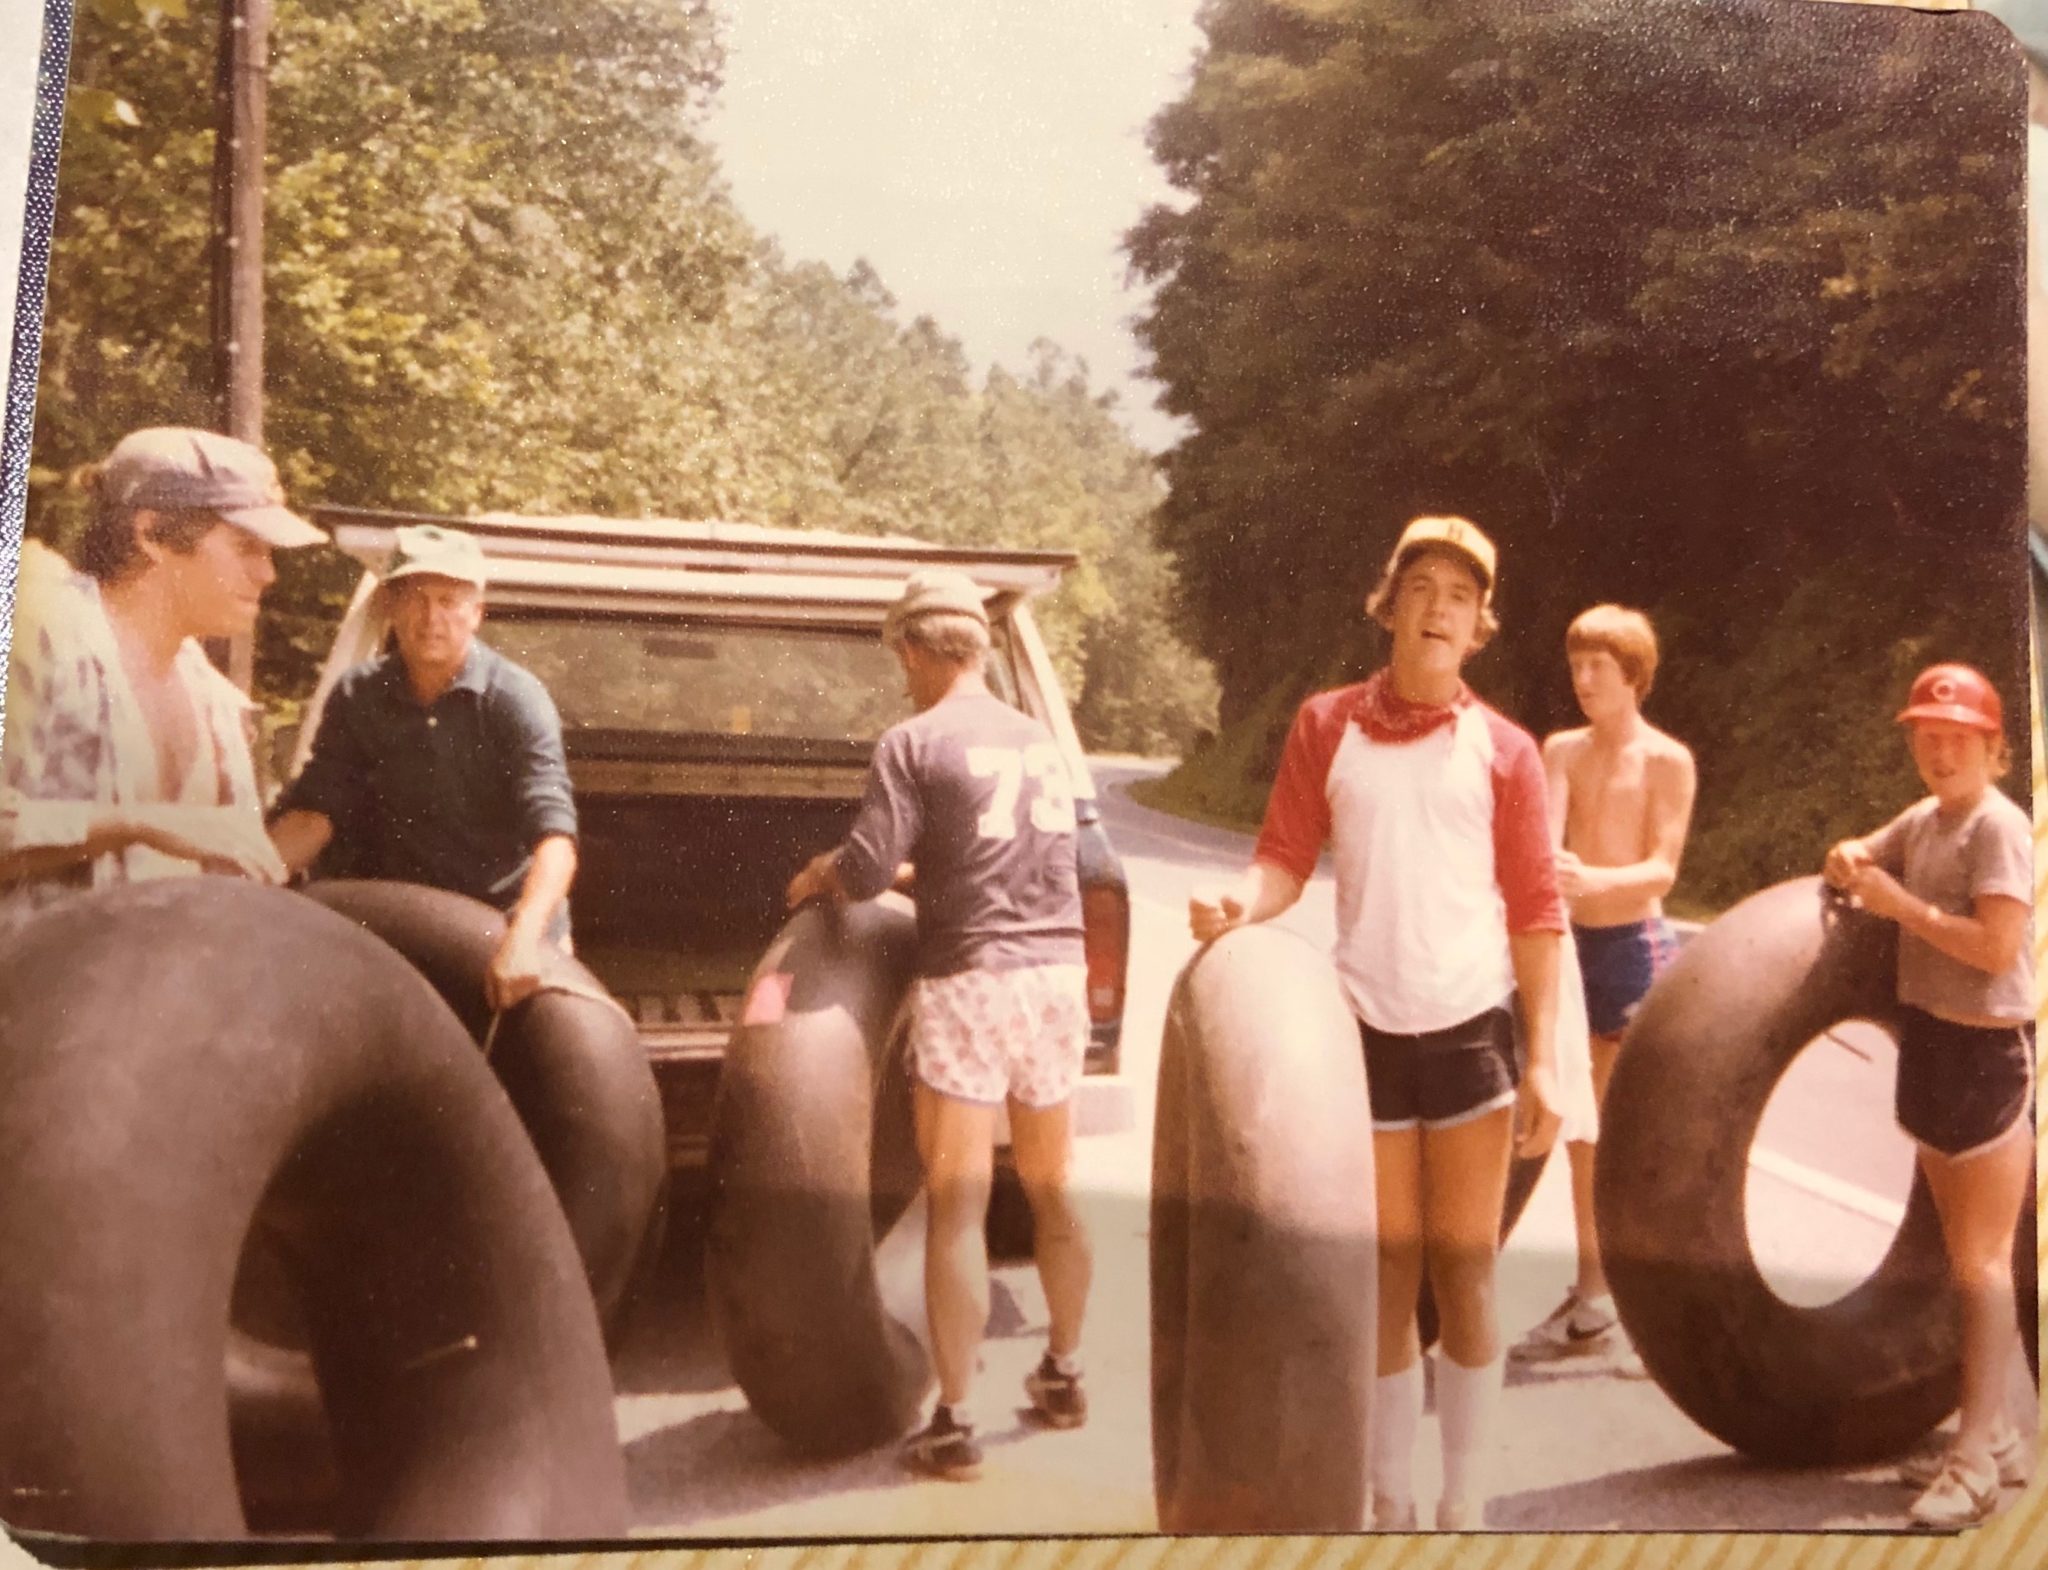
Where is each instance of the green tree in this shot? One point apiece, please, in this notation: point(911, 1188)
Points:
point(502, 272)
point(1685, 305)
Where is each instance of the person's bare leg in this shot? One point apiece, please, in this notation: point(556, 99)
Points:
point(1591, 1281)
point(1979, 1199)
point(1464, 1186)
point(1397, 1180)
point(1042, 1143)
point(956, 1140)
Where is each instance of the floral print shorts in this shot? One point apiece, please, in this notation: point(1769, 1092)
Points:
point(982, 1035)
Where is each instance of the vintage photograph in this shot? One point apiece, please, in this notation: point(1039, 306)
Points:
point(912, 771)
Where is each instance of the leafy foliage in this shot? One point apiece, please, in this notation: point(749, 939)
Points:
point(1709, 309)
point(503, 271)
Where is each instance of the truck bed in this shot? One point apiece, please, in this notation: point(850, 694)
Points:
point(676, 899)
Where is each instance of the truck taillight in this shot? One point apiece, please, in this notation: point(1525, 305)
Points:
point(1106, 926)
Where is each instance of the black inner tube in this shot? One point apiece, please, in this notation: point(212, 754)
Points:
point(1845, 1383)
point(570, 1061)
point(460, 1355)
point(812, 1158)
point(1263, 1256)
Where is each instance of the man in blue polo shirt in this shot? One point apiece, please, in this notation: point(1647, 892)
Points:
point(441, 762)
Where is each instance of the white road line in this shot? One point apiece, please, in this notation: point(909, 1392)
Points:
point(1833, 1189)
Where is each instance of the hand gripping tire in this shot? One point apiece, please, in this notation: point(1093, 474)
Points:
point(570, 1060)
point(812, 1158)
point(1849, 1382)
point(175, 1055)
point(1264, 1246)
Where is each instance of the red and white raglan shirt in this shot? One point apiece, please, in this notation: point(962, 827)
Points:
point(1442, 840)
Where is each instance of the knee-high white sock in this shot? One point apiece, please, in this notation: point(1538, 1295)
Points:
point(1390, 1452)
point(1465, 1399)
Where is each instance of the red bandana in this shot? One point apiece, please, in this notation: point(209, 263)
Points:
point(1385, 716)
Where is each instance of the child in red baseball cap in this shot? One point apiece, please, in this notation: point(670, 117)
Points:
point(1955, 871)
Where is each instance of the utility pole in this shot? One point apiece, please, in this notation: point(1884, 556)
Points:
point(241, 91)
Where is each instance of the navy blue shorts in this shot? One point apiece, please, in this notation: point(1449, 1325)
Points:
point(1618, 964)
point(1962, 1087)
point(1442, 1077)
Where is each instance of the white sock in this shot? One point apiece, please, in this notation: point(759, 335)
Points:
point(1390, 1450)
point(1465, 1399)
point(1068, 1363)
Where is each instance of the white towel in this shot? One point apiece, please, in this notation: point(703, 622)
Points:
point(1574, 1050)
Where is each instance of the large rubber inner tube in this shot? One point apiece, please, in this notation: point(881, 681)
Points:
point(580, 1081)
point(812, 1157)
point(571, 1063)
point(1263, 1246)
point(174, 1056)
point(1852, 1381)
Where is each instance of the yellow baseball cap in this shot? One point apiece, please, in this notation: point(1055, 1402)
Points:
point(1457, 534)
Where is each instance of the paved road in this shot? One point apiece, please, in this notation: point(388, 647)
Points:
point(1578, 1449)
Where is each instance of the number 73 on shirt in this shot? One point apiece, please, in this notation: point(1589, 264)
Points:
point(1052, 803)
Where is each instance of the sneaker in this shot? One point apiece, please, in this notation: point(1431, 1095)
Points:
point(1577, 1327)
point(1459, 1515)
point(1627, 1362)
point(944, 1448)
point(1056, 1398)
point(1956, 1498)
point(2010, 1454)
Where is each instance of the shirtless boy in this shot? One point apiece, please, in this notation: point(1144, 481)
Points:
point(1621, 796)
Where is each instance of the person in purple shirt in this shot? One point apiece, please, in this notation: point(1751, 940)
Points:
point(975, 796)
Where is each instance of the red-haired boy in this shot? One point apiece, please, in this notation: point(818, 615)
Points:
point(1621, 795)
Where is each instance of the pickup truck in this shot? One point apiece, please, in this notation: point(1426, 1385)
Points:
point(721, 688)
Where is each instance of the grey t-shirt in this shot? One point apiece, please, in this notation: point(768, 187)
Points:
point(976, 796)
point(1948, 862)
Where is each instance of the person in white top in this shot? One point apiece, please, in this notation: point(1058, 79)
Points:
point(1449, 924)
point(125, 754)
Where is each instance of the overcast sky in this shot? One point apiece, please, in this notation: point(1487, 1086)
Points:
point(986, 156)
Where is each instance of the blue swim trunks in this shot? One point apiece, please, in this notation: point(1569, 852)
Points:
point(1618, 964)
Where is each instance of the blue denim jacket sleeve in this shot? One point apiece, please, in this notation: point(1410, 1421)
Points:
point(529, 732)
